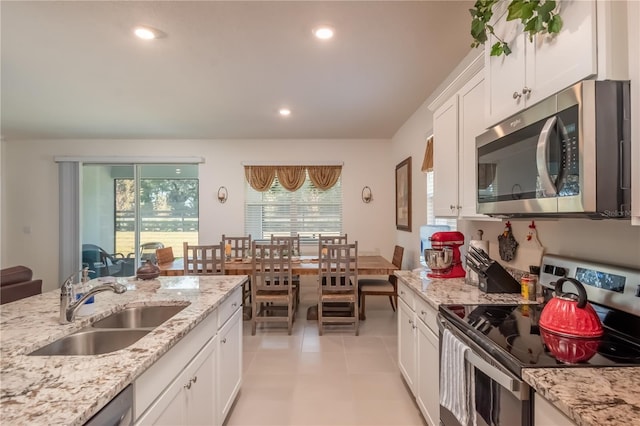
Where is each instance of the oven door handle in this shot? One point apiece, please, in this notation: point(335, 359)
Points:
point(509, 383)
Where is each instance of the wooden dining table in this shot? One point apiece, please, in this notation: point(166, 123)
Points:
point(307, 265)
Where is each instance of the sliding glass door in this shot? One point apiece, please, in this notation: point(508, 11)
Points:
point(128, 211)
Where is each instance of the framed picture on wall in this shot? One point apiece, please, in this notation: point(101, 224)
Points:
point(403, 195)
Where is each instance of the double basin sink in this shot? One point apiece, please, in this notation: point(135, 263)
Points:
point(114, 332)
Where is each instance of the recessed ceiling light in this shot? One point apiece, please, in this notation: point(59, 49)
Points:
point(323, 33)
point(147, 33)
point(285, 112)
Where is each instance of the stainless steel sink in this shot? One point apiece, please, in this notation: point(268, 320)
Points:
point(92, 342)
point(112, 333)
point(139, 317)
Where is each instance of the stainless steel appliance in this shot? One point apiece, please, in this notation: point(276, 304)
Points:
point(569, 155)
point(504, 339)
point(118, 412)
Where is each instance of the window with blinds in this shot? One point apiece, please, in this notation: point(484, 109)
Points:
point(307, 212)
point(431, 219)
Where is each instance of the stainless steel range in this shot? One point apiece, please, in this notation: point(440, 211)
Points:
point(504, 339)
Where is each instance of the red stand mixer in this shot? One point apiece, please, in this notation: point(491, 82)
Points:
point(445, 266)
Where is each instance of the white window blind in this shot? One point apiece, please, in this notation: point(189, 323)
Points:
point(307, 212)
point(431, 219)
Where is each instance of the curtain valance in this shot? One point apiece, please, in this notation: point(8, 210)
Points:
point(291, 177)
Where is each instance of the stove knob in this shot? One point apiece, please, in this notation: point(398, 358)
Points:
point(560, 272)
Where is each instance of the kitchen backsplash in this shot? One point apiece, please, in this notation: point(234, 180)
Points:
point(608, 241)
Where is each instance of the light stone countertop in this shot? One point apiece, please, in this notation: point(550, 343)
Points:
point(46, 390)
point(588, 396)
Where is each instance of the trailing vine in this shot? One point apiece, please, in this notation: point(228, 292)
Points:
point(537, 16)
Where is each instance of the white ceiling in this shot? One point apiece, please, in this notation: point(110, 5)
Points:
point(74, 70)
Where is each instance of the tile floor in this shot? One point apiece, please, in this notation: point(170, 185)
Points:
point(334, 379)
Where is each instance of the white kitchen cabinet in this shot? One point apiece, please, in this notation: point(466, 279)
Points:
point(545, 414)
point(407, 343)
point(177, 388)
point(428, 363)
point(229, 354)
point(198, 379)
point(445, 159)
point(538, 69)
point(418, 351)
point(187, 400)
point(456, 123)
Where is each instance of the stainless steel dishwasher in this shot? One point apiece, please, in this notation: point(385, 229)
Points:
point(119, 411)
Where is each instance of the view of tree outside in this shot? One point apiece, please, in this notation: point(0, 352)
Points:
point(168, 213)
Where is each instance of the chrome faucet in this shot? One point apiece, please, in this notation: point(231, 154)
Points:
point(69, 306)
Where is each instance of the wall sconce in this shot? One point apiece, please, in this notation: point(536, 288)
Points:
point(222, 194)
point(366, 195)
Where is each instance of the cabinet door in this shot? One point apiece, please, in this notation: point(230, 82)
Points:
point(229, 363)
point(471, 104)
point(554, 63)
point(200, 387)
point(428, 377)
point(505, 75)
point(546, 414)
point(406, 344)
point(445, 159)
point(170, 407)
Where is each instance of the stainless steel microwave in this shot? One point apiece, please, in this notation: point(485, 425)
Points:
point(566, 156)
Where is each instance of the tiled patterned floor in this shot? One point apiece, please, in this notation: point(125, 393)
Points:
point(334, 379)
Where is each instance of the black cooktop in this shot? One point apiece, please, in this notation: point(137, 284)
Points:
point(511, 334)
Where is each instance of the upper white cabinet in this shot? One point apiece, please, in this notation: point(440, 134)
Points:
point(456, 123)
point(538, 69)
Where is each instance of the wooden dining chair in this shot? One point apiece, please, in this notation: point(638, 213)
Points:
point(204, 259)
point(273, 292)
point(165, 255)
point(293, 250)
point(238, 247)
point(338, 286)
point(381, 287)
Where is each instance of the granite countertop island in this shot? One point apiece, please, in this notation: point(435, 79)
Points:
point(588, 396)
point(71, 389)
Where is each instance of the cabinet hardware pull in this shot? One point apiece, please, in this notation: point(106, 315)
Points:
point(423, 312)
point(195, 379)
point(451, 206)
point(517, 95)
point(224, 340)
point(188, 385)
point(234, 304)
point(526, 90)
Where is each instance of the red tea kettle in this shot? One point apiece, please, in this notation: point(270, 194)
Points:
point(569, 314)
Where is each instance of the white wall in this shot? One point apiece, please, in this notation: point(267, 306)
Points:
point(410, 140)
point(31, 198)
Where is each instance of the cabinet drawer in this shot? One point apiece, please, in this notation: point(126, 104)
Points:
point(229, 306)
point(427, 314)
point(406, 294)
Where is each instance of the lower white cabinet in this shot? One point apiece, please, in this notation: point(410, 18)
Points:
point(428, 364)
point(545, 414)
point(418, 352)
point(229, 363)
point(187, 400)
point(197, 380)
